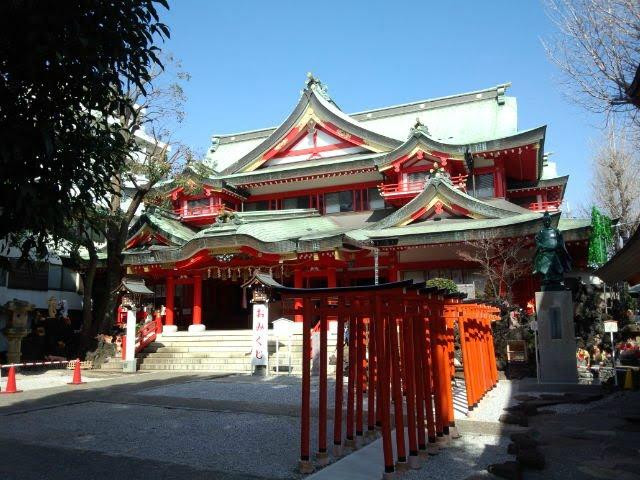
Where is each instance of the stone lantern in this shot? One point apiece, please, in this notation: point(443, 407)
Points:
point(17, 327)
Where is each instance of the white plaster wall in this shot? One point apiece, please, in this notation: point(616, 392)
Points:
point(40, 298)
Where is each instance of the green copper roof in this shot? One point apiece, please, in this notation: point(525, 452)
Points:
point(573, 223)
point(451, 230)
point(165, 223)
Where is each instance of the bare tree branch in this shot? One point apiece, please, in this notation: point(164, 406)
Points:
point(502, 262)
point(616, 181)
point(597, 48)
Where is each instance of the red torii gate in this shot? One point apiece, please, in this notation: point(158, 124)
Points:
point(405, 330)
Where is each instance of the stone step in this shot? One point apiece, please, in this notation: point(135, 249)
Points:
point(195, 361)
point(230, 343)
point(202, 367)
point(221, 349)
point(213, 354)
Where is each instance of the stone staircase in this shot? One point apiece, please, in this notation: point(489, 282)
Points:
point(220, 351)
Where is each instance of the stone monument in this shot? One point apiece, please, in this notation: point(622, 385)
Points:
point(554, 306)
point(17, 327)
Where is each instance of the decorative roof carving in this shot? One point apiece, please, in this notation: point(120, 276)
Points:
point(314, 83)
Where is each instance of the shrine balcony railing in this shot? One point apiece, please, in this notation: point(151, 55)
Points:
point(204, 211)
point(403, 189)
point(550, 206)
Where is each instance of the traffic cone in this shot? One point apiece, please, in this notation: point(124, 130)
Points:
point(77, 376)
point(11, 382)
point(628, 380)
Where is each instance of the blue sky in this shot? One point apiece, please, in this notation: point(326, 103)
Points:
point(248, 61)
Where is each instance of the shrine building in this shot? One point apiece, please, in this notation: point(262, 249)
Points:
point(334, 199)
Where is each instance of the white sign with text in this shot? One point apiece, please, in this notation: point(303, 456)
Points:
point(260, 349)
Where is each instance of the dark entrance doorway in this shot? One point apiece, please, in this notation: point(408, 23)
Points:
point(222, 305)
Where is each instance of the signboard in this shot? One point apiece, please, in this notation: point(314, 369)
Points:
point(260, 348)
point(610, 326)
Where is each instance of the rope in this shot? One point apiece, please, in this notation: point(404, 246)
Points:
point(35, 364)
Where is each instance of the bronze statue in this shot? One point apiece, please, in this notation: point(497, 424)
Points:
point(552, 259)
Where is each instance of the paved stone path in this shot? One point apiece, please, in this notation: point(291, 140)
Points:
point(168, 425)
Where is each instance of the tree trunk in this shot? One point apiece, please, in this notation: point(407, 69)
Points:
point(87, 295)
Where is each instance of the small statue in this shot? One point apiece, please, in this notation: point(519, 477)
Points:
point(552, 259)
point(52, 307)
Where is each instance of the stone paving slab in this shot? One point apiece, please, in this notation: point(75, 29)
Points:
point(271, 392)
point(242, 443)
point(456, 461)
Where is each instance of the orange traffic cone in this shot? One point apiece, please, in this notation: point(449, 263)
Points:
point(11, 382)
point(77, 377)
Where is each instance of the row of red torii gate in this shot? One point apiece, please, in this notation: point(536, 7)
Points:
point(400, 339)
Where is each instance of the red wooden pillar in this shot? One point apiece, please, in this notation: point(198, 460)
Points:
point(451, 312)
point(371, 388)
point(383, 388)
point(170, 300)
point(359, 374)
point(427, 366)
point(413, 374)
point(337, 411)
point(158, 319)
point(297, 283)
point(197, 302)
point(331, 277)
point(394, 369)
point(322, 455)
point(434, 322)
point(466, 361)
point(350, 442)
point(305, 414)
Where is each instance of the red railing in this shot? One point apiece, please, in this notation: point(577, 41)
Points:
point(144, 337)
point(551, 206)
point(410, 188)
point(206, 210)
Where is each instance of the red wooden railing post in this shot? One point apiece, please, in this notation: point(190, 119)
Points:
point(359, 375)
point(394, 369)
point(337, 411)
point(322, 456)
point(434, 322)
point(451, 313)
point(350, 441)
point(415, 402)
point(425, 337)
point(371, 411)
point(383, 375)
point(466, 361)
point(305, 464)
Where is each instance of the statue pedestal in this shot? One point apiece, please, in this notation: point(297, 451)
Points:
point(17, 328)
point(556, 337)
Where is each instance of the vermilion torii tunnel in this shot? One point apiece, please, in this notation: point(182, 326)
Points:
point(400, 350)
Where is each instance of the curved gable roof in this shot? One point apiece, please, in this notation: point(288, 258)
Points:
point(439, 189)
point(314, 105)
point(420, 139)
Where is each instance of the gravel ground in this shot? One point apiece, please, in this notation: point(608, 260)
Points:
point(490, 407)
point(463, 457)
point(572, 408)
point(33, 380)
point(270, 390)
point(244, 443)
